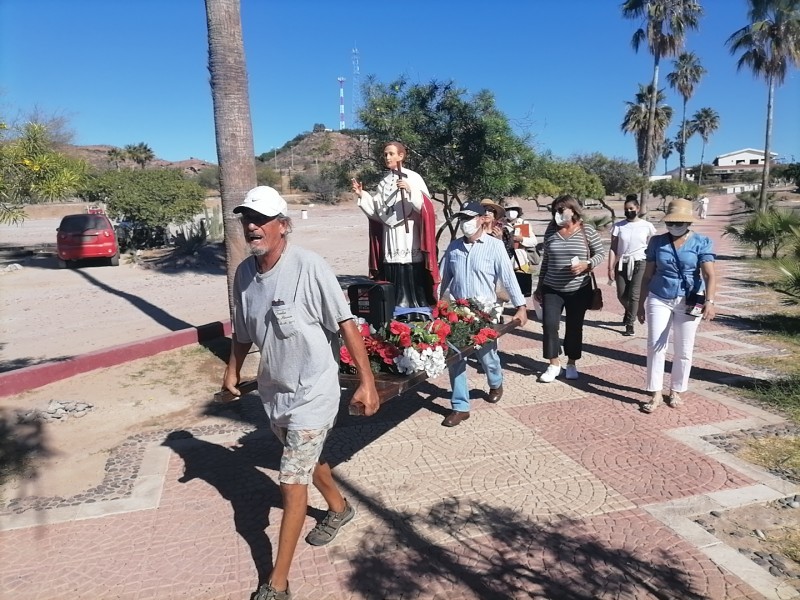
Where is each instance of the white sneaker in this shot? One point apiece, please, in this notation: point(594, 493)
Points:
point(572, 372)
point(550, 374)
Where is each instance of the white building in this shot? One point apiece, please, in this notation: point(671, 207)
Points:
point(741, 161)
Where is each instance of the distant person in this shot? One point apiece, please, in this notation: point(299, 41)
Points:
point(402, 231)
point(471, 267)
point(626, 259)
point(288, 302)
point(496, 226)
point(571, 250)
point(678, 291)
point(522, 231)
point(703, 202)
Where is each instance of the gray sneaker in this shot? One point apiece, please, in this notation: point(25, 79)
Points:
point(324, 531)
point(267, 592)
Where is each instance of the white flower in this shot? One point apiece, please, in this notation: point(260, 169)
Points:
point(430, 360)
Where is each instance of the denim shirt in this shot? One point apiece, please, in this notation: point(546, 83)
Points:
point(668, 281)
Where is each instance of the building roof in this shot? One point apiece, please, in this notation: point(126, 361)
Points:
point(743, 150)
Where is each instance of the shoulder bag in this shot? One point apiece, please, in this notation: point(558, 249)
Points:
point(596, 302)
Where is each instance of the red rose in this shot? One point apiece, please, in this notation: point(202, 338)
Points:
point(479, 339)
point(452, 317)
point(398, 328)
point(462, 302)
point(405, 340)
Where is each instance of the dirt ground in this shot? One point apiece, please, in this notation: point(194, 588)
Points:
point(47, 314)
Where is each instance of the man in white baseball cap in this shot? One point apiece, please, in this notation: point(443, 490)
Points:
point(265, 200)
point(288, 303)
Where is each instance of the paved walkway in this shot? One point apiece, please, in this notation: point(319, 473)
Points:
point(560, 491)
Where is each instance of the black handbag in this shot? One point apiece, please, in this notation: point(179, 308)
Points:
point(596, 302)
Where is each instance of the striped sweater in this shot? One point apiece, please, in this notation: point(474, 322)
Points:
point(557, 258)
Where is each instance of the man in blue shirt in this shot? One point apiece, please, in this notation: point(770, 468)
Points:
point(470, 268)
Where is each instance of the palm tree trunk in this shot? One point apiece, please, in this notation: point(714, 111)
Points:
point(233, 127)
point(682, 168)
point(762, 200)
point(702, 155)
point(649, 162)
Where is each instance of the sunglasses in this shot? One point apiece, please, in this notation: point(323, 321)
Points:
point(256, 218)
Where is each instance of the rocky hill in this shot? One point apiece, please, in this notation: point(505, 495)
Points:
point(97, 157)
point(303, 152)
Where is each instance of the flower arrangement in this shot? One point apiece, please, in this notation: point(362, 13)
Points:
point(424, 346)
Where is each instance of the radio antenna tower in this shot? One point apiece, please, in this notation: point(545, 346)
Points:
point(341, 102)
point(355, 83)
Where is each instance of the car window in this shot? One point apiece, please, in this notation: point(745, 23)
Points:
point(81, 223)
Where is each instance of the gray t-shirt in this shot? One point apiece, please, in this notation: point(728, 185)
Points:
point(292, 313)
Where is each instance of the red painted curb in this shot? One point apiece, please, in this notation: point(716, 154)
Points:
point(28, 378)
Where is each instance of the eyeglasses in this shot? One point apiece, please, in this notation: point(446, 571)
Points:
point(255, 218)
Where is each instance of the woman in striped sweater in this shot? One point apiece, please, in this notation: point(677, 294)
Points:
point(571, 250)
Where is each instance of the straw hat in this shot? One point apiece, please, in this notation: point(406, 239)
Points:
point(515, 205)
point(679, 211)
point(494, 206)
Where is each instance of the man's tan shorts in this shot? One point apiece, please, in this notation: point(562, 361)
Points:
point(301, 451)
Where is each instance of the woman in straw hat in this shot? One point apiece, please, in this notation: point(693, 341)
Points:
point(678, 291)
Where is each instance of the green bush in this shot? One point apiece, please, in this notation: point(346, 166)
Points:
point(772, 229)
point(149, 200)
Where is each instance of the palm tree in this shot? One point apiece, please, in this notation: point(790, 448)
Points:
point(769, 45)
point(665, 25)
point(704, 122)
point(116, 157)
point(666, 151)
point(139, 153)
point(686, 74)
point(232, 123)
point(636, 122)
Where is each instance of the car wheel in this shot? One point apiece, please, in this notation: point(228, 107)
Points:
point(114, 260)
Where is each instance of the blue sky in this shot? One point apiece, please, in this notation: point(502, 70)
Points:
point(129, 71)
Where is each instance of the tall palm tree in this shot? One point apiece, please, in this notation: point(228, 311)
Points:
point(232, 123)
point(686, 74)
point(770, 44)
point(704, 122)
point(664, 31)
point(636, 121)
point(140, 153)
point(666, 151)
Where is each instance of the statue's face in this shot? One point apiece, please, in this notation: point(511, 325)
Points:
point(392, 156)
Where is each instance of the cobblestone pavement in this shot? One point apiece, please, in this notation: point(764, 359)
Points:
point(562, 491)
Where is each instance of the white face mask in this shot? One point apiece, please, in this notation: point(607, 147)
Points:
point(469, 228)
point(677, 230)
point(512, 214)
point(562, 218)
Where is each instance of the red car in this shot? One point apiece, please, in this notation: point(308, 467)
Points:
point(86, 236)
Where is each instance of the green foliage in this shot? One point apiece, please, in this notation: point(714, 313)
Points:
point(668, 187)
point(463, 144)
point(751, 200)
point(773, 229)
point(326, 185)
point(207, 178)
point(617, 175)
point(32, 171)
point(554, 178)
point(636, 121)
point(789, 172)
point(789, 282)
point(148, 198)
point(266, 175)
point(139, 153)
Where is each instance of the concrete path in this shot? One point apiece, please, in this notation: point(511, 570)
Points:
point(561, 491)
